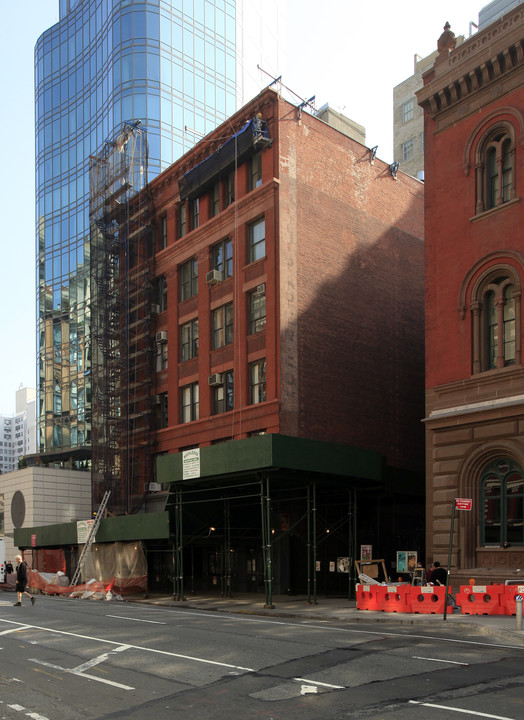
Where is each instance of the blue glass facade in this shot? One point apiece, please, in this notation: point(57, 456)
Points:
point(171, 64)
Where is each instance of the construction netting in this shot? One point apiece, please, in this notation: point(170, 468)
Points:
point(115, 568)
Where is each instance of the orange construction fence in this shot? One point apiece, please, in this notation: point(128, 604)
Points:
point(430, 599)
point(481, 600)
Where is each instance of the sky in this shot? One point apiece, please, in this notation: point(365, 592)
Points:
point(347, 53)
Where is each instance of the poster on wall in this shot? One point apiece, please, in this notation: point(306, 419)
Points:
point(343, 564)
point(406, 561)
point(191, 463)
point(83, 528)
point(366, 552)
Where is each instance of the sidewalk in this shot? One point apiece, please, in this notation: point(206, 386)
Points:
point(501, 627)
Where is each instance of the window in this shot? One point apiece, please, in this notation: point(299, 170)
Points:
point(495, 160)
point(162, 410)
point(189, 340)
point(182, 225)
point(257, 240)
point(190, 406)
point(163, 232)
point(257, 309)
point(223, 326)
point(494, 326)
point(161, 356)
point(501, 504)
point(215, 200)
point(223, 395)
point(408, 150)
point(195, 213)
point(188, 279)
point(408, 109)
point(230, 189)
point(223, 258)
point(258, 381)
point(255, 176)
point(161, 293)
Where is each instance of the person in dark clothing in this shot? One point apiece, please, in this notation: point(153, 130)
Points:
point(21, 581)
point(438, 574)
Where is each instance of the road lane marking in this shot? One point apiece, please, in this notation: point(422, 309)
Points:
point(452, 662)
point(121, 617)
point(316, 682)
point(82, 674)
point(16, 629)
point(459, 710)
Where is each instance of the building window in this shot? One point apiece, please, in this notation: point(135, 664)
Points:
point(230, 189)
point(189, 340)
point(162, 410)
point(408, 150)
point(495, 162)
point(223, 326)
point(258, 381)
point(257, 309)
point(408, 109)
point(215, 200)
point(223, 395)
point(223, 258)
point(188, 279)
point(195, 213)
point(161, 293)
point(257, 240)
point(190, 405)
point(502, 504)
point(163, 232)
point(495, 305)
point(255, 176)
point(182, 223)
point(161, 356)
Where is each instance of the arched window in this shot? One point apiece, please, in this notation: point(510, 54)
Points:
point(495, 160)
point(502, 504)
point(495, 306)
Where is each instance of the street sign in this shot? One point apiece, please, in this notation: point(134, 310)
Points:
point(463, 503)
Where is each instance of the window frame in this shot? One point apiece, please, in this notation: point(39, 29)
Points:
point(408, 110)
point(257, 316)
point(189, 411)
point(495, 167)
point(254, 244)
point(408, 150)
point(224, 394)
point(501, 471)
point(163, 232)
point(255, 171)
point(188, 278)
point(222, 334)
point(224, 265)
point(189, 346)
point(182, 220)
point(258, 385)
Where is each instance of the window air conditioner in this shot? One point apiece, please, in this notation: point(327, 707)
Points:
point(161, 337)
point(260, 289)
point(155, 309)
point(213, 277)
point(214, 379)
point(154, 487)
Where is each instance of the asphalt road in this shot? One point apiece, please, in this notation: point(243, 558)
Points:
point(68, 659)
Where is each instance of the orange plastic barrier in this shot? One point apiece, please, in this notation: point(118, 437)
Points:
point(481, 600)
point(510, 593)
point(369, 597)
point(429, 600)
point(397, 598)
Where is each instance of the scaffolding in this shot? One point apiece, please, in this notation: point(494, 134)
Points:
point(122, 277)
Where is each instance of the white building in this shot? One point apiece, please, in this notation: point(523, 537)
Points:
point(18, 432)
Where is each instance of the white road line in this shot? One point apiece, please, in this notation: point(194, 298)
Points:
point(451, 662)
point(316, 682)
point(19, 708)
point(16, 629)
point(36, 716)
point(121, 617)
point(459, 710)
point(81, 674)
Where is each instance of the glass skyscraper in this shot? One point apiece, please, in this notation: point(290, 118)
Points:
point(180, 67)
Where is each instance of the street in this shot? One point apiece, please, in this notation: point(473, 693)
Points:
point(65, 659)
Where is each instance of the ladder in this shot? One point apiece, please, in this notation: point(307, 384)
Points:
point(90, 538)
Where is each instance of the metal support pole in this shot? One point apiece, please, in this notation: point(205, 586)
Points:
point(314, 544)
point(269, 549)
point(518, 612)
point(449, 558)
point(308, 545)
point(264, 539)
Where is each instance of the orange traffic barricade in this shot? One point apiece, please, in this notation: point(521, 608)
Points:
point(510, 593)
point(397, 598)
point(481, 600)
point(429, 599)
point(369, 597)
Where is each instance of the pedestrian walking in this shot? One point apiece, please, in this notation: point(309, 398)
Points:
point(21, 581)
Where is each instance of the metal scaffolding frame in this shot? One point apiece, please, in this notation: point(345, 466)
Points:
point(122, 277)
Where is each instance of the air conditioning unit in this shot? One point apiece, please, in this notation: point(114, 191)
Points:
point(213, 277)
point(155, 309)
point(161, 336)
point(260, 289)
point(214, 379)
point(155, 487)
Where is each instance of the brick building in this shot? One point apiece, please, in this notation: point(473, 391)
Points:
point(473, 98)
point(279, 279)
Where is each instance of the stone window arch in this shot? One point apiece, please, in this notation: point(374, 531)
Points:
point(495, 167)
point(501, 509)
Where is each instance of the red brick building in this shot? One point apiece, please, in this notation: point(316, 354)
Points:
point(473, 99)
point(289, 276)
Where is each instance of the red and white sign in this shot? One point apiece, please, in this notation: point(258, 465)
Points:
point(463, 503)
point(33, 540)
